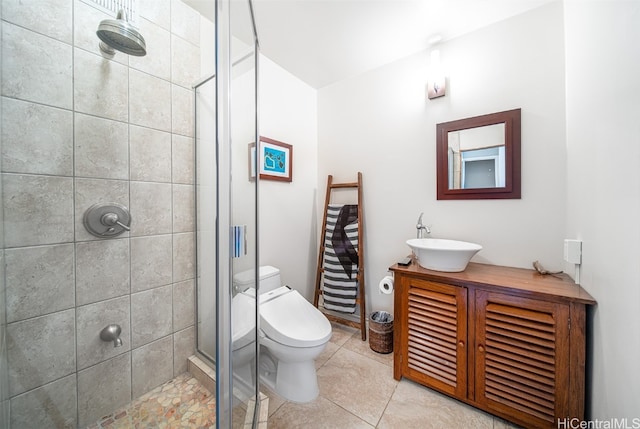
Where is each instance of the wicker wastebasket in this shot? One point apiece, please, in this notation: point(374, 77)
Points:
point(381, 332)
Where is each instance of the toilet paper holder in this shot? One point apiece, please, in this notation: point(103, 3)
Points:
point(386, 285)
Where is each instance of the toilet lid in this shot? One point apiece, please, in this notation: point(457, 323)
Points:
point(291, 320)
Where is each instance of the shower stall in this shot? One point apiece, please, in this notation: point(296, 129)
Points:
point(144, 142)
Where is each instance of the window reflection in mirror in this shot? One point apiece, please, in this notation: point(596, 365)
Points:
point(476, 157)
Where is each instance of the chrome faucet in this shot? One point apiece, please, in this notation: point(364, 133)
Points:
point(422, 230)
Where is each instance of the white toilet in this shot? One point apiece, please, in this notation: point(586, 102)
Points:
point(292, 335)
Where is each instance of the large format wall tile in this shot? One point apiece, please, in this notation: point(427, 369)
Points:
point(86, 20)
point(183, 256)
point(94, 191)
point(35, 67)
point(40, 350)
point(37, 209)
point(53, 405)
point(182, 113)
point(184, 345)
point(28, 14)
point(36, 139)
point(157, 62)
point(185, 22)
point(151, 262)
point(151, 203)
point(182, 159)
point(102, 270)
point(185, 62)
point(150, 315)
point(157, 11)
point(96, 399)
point(183, 208)
point(150, 366)
point(101, 86)
point(149, 101)
point(184, 304)
point(150, 154)
point(39, 280)
point(101, 148)
point(91, 319)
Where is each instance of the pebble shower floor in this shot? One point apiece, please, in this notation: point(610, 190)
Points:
point(182, 403)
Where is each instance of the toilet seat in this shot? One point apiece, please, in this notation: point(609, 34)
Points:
point(291, 320)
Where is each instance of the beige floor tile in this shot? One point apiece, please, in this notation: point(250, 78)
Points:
point(498, 423)
point(357, 383)
point(341, 333)
point(275, 400)
point(415, 406)
point(326, 354)
point(355, 344)
point(318, 414)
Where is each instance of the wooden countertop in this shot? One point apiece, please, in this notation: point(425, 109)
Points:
point(528, 282)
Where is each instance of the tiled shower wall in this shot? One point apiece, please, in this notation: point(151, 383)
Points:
point(79, 129)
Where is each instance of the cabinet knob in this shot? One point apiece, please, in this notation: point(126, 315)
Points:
point(461, 344)
point(481, 348)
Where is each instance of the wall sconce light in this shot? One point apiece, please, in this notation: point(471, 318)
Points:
point(436, 83)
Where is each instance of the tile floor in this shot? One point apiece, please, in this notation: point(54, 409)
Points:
point(357, 390)
point(182, 403)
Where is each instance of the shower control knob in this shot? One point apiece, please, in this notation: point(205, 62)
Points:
point(110, 219)
point(107, 220)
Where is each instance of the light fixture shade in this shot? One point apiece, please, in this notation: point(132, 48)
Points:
point(436, 83)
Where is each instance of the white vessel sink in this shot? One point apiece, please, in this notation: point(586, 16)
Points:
point(437, 254)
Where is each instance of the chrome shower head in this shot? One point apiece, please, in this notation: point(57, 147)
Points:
point(120, 35)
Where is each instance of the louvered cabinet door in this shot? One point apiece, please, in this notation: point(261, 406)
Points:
point(522, 358)
point(434, 343)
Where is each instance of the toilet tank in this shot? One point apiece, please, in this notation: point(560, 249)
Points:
point(269, 279)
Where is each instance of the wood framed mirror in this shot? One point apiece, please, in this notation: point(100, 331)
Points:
point(479, 158)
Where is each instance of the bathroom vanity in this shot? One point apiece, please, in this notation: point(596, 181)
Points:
point(506, 340)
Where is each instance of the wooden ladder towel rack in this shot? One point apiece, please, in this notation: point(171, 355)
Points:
point(360, 298)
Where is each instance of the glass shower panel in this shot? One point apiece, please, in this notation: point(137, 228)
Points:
point(206, 203)
point(226, 217)
point(4, 369)
point(244, 219)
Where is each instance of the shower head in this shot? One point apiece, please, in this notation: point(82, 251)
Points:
point(119, 34)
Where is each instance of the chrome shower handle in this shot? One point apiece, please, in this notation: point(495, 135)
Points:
point(110, 219)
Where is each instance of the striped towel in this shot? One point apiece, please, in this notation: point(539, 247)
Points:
point(341, 258)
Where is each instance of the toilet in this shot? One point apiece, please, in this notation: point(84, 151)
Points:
point(292, 335)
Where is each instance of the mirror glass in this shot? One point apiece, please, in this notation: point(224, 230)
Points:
point(479, 157)
point(476, 157)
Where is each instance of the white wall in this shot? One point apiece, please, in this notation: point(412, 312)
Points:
point(603, 181)
point(382, 124)
point(288, 113)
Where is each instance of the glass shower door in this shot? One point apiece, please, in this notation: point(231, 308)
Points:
point(226, 213)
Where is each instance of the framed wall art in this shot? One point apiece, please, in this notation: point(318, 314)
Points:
point(274, 160)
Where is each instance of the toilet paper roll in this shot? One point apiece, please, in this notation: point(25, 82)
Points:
point(386, 285)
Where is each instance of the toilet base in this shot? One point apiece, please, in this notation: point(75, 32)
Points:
point(294, 381)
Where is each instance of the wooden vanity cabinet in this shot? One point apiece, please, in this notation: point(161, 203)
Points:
point(505, 340)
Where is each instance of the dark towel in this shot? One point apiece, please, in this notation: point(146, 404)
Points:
point(342, 246)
